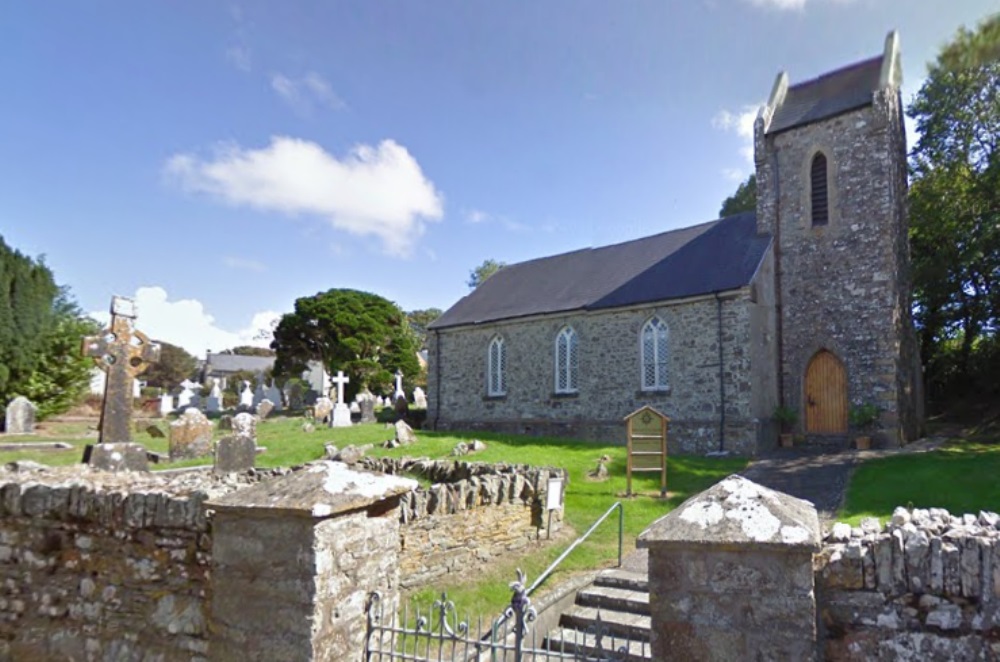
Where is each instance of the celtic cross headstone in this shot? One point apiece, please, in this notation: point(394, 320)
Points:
point(122, 352)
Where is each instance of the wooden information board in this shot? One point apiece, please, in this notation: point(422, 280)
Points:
point(647, 444)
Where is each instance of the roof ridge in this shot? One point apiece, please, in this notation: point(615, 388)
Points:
point(836, 72)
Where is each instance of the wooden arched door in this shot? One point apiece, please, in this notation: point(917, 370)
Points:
point(826, 395)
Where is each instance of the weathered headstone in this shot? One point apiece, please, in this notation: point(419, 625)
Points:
point(355, 408)
point(225, 422)
point(155, 431)
point(246, 395)
point(258, 393)
point(122, 352)
point(234, 455)
point(341, 413)
point(119, 457)
point(323, 409)
point(214, 402)
point(191, 435)
point(405, 434)
point(265, 408)
point(368, 410)
point(273, 393)
point(294, 395)
point(419, 398)
point(245, 425)
point(402, 408)
point(20, 416)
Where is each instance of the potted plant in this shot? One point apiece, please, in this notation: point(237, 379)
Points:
point(864, 418)
point(786, 418)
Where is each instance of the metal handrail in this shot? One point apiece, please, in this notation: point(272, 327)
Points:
point(621, 534)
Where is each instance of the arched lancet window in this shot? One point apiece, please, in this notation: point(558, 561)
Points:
point(496, 367)
point(819, 195)
point(654, 342)
point(567, 361)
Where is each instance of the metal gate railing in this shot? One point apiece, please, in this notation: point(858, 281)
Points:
point(440, 635)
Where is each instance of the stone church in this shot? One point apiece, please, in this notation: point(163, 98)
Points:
point(805, 303)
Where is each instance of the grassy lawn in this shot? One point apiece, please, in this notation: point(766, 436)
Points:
point(961, 476)
point(482, 592)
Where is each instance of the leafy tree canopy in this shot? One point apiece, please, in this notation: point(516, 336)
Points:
point(955, 209)
point(363, 334)
point(175, 365)
point(40, 334)
point(419, 320)
point(479, 275)
point(744, 199)
point(247, 350)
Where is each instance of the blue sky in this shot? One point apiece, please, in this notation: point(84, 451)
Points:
point(218, 160)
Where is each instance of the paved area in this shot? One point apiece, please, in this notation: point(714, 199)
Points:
point(815, 474)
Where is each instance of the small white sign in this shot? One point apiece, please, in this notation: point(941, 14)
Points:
point(555, 495)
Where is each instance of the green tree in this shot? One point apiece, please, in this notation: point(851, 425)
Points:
point(63, 375)
point(175, 365)
point(363, 334)
point(479, 275)
point(419, 321)
point(744, 199)
point(248, 350)
point(955, 213)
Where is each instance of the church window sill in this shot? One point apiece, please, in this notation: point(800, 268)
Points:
point(654, 392)
point(566, 395)
point(492, 398)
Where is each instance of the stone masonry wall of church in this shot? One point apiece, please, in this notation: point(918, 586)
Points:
point(844, 287)
point(609, 376)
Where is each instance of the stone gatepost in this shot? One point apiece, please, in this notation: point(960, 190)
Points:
point(731, 576)
point(295, 559)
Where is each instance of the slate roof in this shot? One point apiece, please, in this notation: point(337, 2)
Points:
point(711, 257)
point(831, 94)
point(230, 363)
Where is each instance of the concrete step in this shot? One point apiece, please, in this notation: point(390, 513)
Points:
point(626, 625)
point(585, 645)
point(614, 599)
point(618, 578)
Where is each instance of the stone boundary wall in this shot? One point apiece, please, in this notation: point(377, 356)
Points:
point(474, 513)
point(104, 566)
point(925, 587)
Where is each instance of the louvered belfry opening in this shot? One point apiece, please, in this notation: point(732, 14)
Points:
point(820, 197)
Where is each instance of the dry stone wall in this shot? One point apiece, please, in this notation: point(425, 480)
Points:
point(926, 587)
point(473, 513)
point(104, 566)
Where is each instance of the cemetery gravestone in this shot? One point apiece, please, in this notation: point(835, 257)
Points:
point(341, 413)
point(246, 395)
point(355, 408)
point(122, 352)
point(119, 457)
point(265, 408)
point(273, 394)
point(20, 417)
point(323, 409)
point(419, 398)
point(294, 395)
point(234, 455)
point(225, 422)
point(404, 434)
point(258, 393)
point(245, 425)
point(368, 410)
point(190, 435)
point(166, 404)
point(399, 386)
point(186, 395)
point(214, 403)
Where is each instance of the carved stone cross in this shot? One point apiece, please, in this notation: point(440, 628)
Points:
point(122, 352)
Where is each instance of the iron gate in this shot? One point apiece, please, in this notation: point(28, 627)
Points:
point(439, 634)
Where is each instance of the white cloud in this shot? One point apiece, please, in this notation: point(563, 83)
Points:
point(478, 216)
point(780, 4)
point(740, 123)
point(378, 191)
point(239, 57)
point(243, 263)
point(306, 93)
point(187, 324)
point(475, 216)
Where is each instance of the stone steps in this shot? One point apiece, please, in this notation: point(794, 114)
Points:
point(616, 605)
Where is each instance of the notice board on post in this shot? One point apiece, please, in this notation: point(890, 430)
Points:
point(647, 444)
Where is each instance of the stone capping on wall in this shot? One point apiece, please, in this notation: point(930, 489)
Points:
point(459, 485)
point(928, 581)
